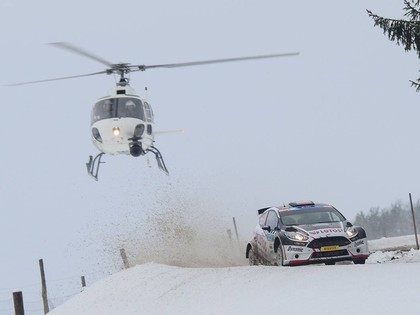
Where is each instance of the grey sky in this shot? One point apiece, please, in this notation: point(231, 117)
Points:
point(336, 124)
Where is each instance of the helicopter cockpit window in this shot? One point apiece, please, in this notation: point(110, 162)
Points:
point(104, 109)
point(118, 107)
point(130, 107)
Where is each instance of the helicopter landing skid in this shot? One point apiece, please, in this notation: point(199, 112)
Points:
point(159, 159)
point(93, 165)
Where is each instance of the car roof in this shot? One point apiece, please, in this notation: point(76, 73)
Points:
point(296, 205)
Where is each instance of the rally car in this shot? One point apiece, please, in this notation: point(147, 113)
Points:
point(305, 233)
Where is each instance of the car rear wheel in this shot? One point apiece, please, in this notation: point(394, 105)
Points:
point(252, 258)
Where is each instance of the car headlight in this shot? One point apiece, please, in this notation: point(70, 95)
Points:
point(351, 231)
point(297, 236)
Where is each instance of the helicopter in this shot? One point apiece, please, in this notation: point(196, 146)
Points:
point(123, 122)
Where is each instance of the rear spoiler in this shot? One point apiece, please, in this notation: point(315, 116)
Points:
point(261, 211)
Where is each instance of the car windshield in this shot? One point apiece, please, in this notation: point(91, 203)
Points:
point(311, 216)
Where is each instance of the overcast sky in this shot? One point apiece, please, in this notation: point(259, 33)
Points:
point(336, 124)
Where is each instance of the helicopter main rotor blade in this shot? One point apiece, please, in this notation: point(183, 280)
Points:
point(125, 68)
point(206, 62)
point(82, 52)
point(56, 79)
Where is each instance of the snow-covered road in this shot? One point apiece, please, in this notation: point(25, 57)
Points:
point(388, 284)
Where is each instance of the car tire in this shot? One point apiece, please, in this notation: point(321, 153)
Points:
point(252, 258)
point(279, 257)
point(359, 261)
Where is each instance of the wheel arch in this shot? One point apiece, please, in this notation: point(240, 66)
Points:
point(361, 231)
point(248, 248)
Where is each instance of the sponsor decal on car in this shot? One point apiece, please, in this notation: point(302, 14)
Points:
point(329, 248)
point(326, 231)
point(295, 249)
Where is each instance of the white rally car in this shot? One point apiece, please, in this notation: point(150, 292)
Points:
point(305, 233)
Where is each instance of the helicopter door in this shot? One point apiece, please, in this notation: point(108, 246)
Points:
point(149, 112)
point(149, 117)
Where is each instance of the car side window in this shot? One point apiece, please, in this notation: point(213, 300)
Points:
point(272, 220)
point(263, 217)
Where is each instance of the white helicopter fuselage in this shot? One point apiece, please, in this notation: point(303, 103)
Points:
point(120, 121)
point(115, 134)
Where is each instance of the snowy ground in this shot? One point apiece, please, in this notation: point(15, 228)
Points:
point(389, 283)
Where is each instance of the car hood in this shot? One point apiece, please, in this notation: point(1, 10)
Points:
point(323, 229)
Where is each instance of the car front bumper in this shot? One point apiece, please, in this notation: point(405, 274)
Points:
point(302, 255)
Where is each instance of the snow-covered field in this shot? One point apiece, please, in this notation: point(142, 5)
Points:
point(389, 283)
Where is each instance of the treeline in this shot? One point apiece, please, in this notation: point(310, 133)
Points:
point(397, 220)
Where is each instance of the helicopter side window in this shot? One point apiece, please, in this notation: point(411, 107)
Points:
point(103, 109)
point(149, 112)
point(130, 107)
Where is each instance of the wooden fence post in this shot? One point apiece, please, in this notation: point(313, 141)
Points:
point(18, 302)
point(414, 221)
point(236, 229)
point(237, 237)
point(124, 258)
point(44, 287)
point(83, 282)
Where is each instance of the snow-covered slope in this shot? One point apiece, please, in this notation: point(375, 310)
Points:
point(388, 284)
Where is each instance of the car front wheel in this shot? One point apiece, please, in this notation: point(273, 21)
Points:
point(279, 257)
point(359, 261)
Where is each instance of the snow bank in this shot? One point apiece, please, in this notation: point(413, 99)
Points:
point(387, 284)
point(392, 243)
point(342, 289)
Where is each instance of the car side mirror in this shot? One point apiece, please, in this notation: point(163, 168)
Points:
point(348, 224)
point(266, 228)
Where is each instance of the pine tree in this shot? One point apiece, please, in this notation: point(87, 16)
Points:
point(403, 32)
